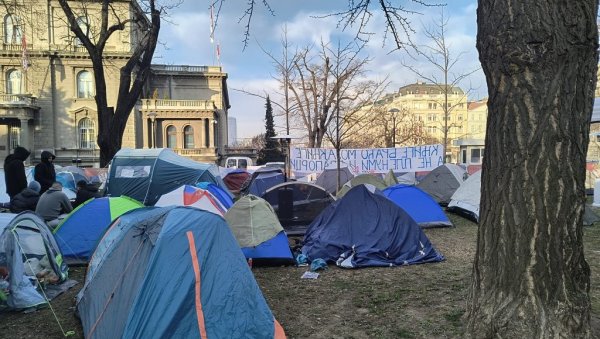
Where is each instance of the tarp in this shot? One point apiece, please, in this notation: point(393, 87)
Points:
point(297, 204)
point(419, 205)
point(467, 197)
point(27, 249)
point(78, 234)
point(263, 179)
point(187, 195)
point(367, 229)
point(172, 272)
point(442, 182)
point(146, 174)
point(328, 179)
point(258, 232)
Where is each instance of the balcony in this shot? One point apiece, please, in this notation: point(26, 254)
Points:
point(186, 69)
point(165, 104)
point(198, 154)
point(18, 100)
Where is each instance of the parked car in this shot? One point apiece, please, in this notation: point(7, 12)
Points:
point(238, 162)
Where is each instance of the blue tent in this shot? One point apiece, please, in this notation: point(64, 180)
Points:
point(419, 205)
point(79, 233)
point(367, 229)
point(146, 174)
point(172, 272)
point(263, 179)
point(218, 192)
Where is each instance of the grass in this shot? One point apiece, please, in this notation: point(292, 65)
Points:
point(423, 301)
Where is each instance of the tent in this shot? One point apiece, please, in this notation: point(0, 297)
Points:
point(589, 216)
point(362, 179)
point(146, 174)
point(218, 192)
point(187, 195)
point(466, 199)
point(297, 204)
point(258, 232)
point(442, 182)
point(4, 198)
point(29, 252)
point(69, 179)
point(390, 178)
point(236, 179)
point(79, 233)
point(328, 178)
point(367, 229)
point(172, 272)
point(263, 179)
point(418, 204)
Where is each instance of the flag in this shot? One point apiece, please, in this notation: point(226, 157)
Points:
point(212, 25)
point(24, 57)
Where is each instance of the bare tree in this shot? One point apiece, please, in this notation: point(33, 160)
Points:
point(439, 54)
point(133, 75)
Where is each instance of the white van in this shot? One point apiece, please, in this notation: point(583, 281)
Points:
point(238, 162)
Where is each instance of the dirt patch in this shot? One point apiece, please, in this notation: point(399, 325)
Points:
point(423, 301)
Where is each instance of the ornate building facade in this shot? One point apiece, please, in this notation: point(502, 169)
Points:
point(47, 89)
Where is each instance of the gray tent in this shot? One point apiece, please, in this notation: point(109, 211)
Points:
point(30, 253)
point(146, 174)
point(442, 182)
point(589, 216)
point(363, 179)
point(466, 198)
point(328, 179)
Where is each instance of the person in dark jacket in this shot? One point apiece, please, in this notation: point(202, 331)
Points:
point(44, 171)
point(26, 200)
point(14, 171)
point(85, 192)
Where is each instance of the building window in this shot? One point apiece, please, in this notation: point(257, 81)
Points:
point(433, 105)
point(82, 22)
point(12, 29)
point(85, 85)
point(431, 117)
point(86, 133)
point(171, 137)
point(15, 136)
point(476, 156)
point(460, 117)
point(13, 81)
point(188, 137)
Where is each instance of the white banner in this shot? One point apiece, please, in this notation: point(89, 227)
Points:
point(373, 160)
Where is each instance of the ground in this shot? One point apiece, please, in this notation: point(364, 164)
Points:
point(423, 301)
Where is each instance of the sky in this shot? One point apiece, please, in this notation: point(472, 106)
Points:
point(185, 39)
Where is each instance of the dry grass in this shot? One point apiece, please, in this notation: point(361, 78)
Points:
point(424, 301)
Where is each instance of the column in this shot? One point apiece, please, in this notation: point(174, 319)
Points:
point(145, 132)
point(25, 135)
point(211, 133)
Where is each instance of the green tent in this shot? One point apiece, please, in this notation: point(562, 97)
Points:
point(363, 179)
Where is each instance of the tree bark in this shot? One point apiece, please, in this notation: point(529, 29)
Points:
point(530, 277)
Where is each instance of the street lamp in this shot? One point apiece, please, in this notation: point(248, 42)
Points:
point(152, 116)
point(394, 111)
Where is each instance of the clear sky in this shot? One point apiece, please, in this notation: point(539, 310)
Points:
point(185, 39)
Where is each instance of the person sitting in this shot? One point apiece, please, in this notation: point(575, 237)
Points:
point(53, 205)
point(27, 199)
point(85, 192)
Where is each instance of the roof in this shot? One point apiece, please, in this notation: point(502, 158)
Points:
point(425, 88)
point(476, 104)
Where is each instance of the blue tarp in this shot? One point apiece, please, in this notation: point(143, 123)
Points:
point(172, 272)
point(419, 205)
point(367, 229)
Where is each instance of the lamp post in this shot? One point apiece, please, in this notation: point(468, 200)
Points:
point(152, 116)
point(394, 111)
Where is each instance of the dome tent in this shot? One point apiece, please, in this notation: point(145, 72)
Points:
point(187, 195)
point(442, 182)
point(367, 229)
point(419, 205)
point(466, 199)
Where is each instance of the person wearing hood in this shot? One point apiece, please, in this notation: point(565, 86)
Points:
point(26, 200)
point(44, 171)
point(53, 205)
point(14, 171)
point(85, 192)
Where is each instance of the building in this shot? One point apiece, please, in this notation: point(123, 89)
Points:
point(47, 89)
point(232, 132)
point(185, 109)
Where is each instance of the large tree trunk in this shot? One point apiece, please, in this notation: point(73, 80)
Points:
point(530, 278)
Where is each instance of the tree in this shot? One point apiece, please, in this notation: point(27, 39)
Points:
point(530, 277)
point(439, 54)
point(271, 152)
point(133, 75)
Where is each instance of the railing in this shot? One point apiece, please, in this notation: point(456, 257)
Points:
point(186, 68)
point(15, 46)
point(195, 151)
point(17, 99)
point(148, 104)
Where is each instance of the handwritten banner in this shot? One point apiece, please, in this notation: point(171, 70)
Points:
point(373, 160)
